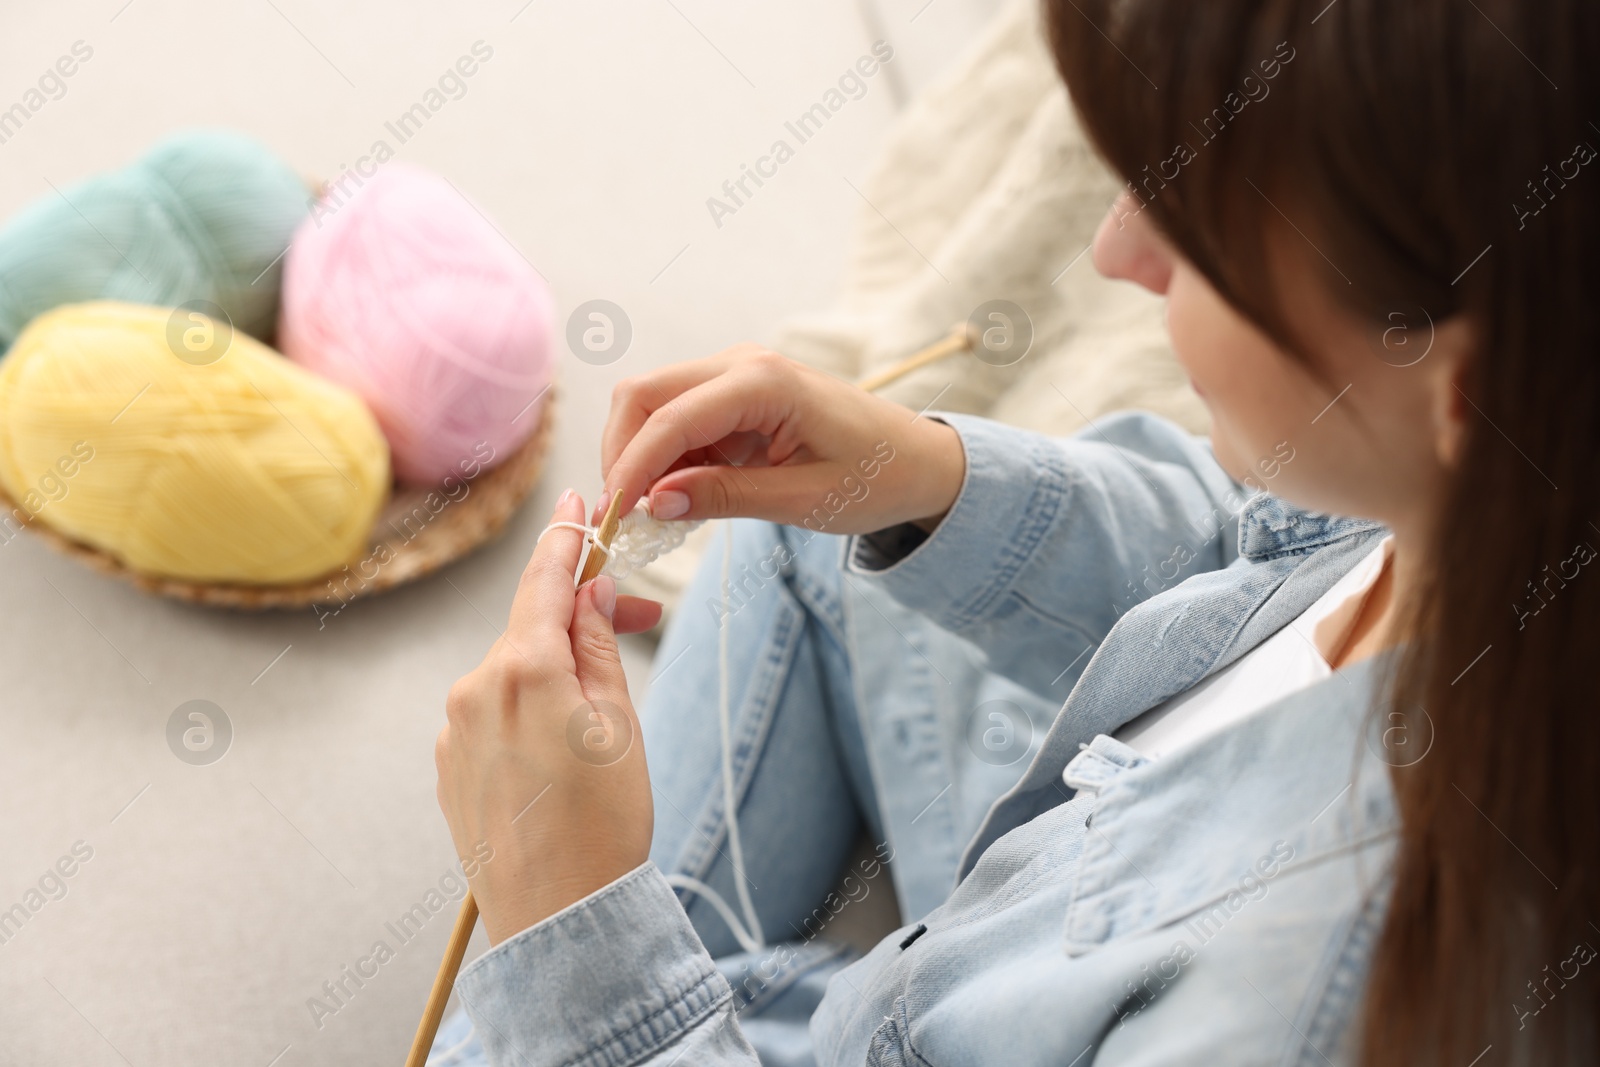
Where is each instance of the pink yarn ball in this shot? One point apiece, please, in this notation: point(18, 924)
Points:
point(403, 292)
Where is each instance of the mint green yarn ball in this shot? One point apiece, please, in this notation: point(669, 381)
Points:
point(204, 215)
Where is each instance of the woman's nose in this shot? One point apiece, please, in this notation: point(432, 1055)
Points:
point(1127, 247)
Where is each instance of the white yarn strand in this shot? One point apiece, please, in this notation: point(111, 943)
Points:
point(725, 720)
point(587, 531)
point(740, 934)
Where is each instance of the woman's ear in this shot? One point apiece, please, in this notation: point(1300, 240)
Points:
point(1454, 348)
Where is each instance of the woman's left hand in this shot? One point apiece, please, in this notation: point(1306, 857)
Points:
point(541, 756)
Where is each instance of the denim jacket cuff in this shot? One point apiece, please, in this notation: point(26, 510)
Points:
point(1014, 488)
point(610, 979)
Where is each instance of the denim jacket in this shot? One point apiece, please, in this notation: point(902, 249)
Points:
point(1216, 906)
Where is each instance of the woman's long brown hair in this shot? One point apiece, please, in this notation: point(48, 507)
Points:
point(1441, 157)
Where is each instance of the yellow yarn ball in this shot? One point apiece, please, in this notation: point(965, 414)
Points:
point(246, 469)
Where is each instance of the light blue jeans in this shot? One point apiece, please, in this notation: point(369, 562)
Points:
point(799, 758)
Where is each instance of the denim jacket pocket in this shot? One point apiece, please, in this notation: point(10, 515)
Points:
point(891, 1043)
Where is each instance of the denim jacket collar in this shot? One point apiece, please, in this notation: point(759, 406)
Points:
point(1270, 528)
point(1289, 557)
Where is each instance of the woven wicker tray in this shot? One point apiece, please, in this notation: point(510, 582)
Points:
point(404, 546)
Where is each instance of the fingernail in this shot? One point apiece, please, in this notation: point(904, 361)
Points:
point(605, 595)
point(600, 506)
point(669, 504)
point(561, 501)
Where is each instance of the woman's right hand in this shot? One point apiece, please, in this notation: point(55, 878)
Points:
point(747, 432)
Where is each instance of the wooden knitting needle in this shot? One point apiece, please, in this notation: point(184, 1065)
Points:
point(959, 339)
point(443, 982)
point(603, 536)
point(467, 917)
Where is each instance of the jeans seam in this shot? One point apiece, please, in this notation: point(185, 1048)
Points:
point(751, 723)
point(805, 962)
point(820, 603)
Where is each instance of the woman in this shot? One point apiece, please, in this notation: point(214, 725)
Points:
point(1323, 792)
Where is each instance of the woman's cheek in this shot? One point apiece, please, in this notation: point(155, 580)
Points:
point(1232, 365)
point(1207, 347)
point(1199, 335)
